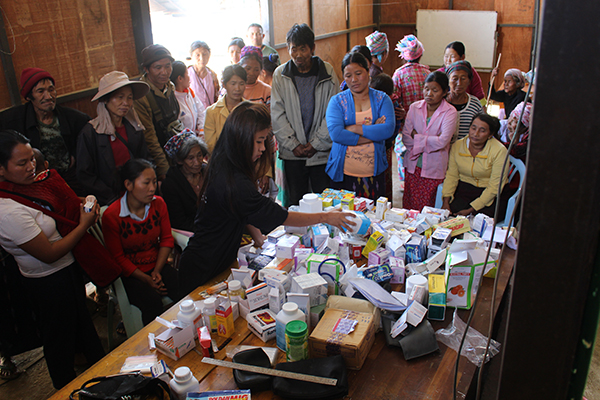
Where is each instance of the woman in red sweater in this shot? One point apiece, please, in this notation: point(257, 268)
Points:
point(137, 232)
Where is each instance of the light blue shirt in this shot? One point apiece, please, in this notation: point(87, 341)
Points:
point(126, 213)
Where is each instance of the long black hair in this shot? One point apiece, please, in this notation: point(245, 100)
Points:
point(133, 168)
point(9, 139)
point(235, 147)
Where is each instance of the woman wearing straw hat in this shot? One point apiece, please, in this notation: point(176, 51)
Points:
point(115, 136)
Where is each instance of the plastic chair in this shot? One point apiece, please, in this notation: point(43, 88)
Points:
point(515, 165)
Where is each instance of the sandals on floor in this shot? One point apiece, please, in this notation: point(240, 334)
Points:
point(8, 369)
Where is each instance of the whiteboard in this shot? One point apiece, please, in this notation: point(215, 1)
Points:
point(436, 29)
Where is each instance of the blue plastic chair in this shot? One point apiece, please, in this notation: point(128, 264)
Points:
point(515, 166)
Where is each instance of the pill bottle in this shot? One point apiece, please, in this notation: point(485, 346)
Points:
point(183, 383)
point(296, 341)
point(236, 291)
point(289, 312)
point(189, 314)
point(210, 318)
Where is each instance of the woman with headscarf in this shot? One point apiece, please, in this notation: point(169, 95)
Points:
point(181, 187)
point(512, 93)
point(410, 77)
point(115, 136)
point(252, 61)
point(460, 74)
point(454, 52)
point(378, 44)
point(509, 130)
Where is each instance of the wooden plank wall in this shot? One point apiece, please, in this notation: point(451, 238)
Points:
point(77, 41)
point(513, 42)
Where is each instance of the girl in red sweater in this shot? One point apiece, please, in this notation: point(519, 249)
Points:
point(137, 232)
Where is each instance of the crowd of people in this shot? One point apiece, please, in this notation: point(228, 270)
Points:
point(181, 149)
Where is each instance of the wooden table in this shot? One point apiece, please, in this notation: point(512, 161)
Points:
point(384, 375)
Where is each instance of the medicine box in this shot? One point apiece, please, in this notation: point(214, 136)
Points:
point(329, 338)
point(379, 256)
point(319, 234)
point(262, 323)
point(381, 207)
point(177, 342)
point(286, 246)
point(416, 249)
point(257, 296)
point(437, 297)
point(314, 285)
point(224, 313)
point(398, 268)
point(458, 225)
point(395, 215)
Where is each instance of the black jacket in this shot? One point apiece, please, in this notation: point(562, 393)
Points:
point(23, 120)
point(96, 170)
point(181, 200)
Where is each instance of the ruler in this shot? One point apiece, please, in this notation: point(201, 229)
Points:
point(272, 372)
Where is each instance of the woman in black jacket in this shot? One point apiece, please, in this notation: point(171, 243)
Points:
point(108, 141)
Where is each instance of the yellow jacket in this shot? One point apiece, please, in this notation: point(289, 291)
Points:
point(482, 171)
point(216, 115)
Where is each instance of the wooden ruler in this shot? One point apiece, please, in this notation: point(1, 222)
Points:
point(272, 372)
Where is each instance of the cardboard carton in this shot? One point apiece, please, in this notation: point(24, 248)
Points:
point(328, 339)
point(176, 343)
point(262, 323)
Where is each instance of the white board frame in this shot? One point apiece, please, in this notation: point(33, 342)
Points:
point(476, 29)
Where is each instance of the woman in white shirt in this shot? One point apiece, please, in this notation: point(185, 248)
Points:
point(52, 278)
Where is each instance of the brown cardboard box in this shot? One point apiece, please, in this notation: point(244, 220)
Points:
point(354, 347)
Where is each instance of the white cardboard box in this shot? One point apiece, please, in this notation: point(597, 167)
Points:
point(314, 285)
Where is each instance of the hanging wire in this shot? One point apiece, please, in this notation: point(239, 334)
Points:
point(12, 33)
point(475, 302)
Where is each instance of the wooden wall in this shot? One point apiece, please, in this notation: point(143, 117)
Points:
point(513, 42)
point(77, 41)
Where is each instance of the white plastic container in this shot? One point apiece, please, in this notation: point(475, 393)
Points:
point(189, 314)
point(210, 317)
point(289, 312)
point(183, 383)
point(310, 203)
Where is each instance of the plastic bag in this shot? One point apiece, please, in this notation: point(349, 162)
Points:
point(475, 342)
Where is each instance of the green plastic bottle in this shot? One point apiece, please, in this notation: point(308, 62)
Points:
point(296, 340)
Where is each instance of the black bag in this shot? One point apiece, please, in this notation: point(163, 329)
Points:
point(117, 387)
point(328, 367)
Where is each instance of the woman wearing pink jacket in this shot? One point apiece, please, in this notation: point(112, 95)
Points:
point(428, 129)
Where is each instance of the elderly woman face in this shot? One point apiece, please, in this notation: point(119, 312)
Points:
point(356, 77)
point(192, 163)
point(510, 86)
point(459, 82)
point(252, 68)
point(120, 102)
